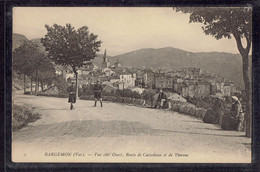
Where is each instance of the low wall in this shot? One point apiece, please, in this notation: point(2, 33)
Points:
point(126, 100)
point(188, 108)
point(182, 107)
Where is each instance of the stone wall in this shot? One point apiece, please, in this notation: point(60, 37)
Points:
point(181, 107)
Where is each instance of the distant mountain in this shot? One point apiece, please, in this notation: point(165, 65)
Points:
point(224, 64)
point(18, 40)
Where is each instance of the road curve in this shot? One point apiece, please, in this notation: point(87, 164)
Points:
point(121, 133)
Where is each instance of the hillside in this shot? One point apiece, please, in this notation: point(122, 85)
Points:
point(18, 39)
point(224, 64)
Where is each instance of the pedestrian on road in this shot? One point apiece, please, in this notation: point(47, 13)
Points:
point(160, 99)
point(72, 95)
point(219, 110)
point(98, 93)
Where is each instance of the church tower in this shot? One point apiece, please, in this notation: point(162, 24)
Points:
point(105, 62)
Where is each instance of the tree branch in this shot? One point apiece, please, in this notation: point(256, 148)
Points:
point(240, 47)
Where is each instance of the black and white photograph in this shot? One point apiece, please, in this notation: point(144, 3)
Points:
point(132, 85)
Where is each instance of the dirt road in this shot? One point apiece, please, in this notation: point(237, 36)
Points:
point(121, 133)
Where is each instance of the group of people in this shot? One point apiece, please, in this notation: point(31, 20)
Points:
point(97, 91)
point(237, 113)
point(229, 118)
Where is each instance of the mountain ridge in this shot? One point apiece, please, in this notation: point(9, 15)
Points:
point(225, 64)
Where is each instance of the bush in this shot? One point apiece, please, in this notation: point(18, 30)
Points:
point(61, 84)
point(148, 95)
point(61, 95)
point(86, 90)
point(29, 93)
point(87, 97)
point(22, 115)
point(205, 102)
point(127, 93)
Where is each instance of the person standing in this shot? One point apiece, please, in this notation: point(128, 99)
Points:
point(218, 110)
point(160, 99)
point(98, 93)
point(72, 95)
point(237, 114)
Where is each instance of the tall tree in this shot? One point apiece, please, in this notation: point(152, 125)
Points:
point(23, 59)
point(46, 74)
point(225, 23)
point(70, 47)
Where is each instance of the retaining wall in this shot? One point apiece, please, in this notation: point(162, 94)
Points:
point(182, 107)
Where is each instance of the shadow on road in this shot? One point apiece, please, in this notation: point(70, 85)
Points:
point(96, 128)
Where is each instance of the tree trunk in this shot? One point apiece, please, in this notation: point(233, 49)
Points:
point(77, 85)
point(36, 83)
point(248, 95)
point(31, 85)
point(42, 86)
point(24, 84)
point(247, 82)
point(76, 73)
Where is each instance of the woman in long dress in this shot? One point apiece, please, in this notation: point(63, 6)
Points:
point(237, 113)
point(72, 95)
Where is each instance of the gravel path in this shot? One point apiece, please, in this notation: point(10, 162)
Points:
point(121, 133)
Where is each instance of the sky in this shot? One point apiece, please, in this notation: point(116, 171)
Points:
point(123, 29)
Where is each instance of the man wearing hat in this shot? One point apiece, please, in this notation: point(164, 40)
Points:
point(97, 93)
point(72, 95)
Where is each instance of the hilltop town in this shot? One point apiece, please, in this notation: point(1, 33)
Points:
point(187, 82)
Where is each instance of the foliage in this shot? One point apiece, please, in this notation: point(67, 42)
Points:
point(224, 23)
point(69, 47)
point(128, 93)
point(148, 95)
point(22, 115)
point(61, 95)
point(46, 72)
point(86, 90)
point(61, 84)
point(205, 102)
point(23, 58)
point(28, 59)
point(28, 93)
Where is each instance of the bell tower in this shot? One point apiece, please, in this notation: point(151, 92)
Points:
point(105, 62)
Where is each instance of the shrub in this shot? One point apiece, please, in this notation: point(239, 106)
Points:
point(61, 95)
point(86, 90)
point(29, 93)
point(148, 95)
point(22, 115)
point(127, 93)
point(61, 84)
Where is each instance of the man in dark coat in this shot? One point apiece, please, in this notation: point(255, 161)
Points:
point(98, 93)
point(160, 99)
point(72, 95)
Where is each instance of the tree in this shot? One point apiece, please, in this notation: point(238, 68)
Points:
point(69, 47)
point(23, 61)
point(46, 73)
point(225, 23)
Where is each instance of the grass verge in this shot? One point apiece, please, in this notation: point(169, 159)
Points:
point(22, 116)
